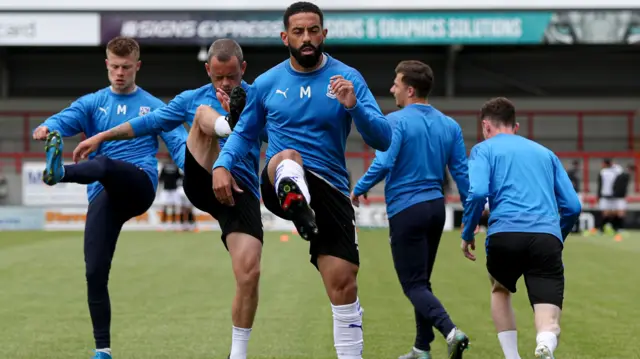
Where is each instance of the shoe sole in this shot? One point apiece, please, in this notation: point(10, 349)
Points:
point(53, 149)
point(237, 101)
point(295, 206)
point(544, 354)
point(459, 349)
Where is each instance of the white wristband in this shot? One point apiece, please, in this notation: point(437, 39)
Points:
point(221, 127)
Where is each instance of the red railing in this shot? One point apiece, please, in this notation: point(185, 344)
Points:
point(367, 154)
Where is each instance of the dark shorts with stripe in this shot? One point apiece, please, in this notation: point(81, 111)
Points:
point(335, 218)
point(244, 217)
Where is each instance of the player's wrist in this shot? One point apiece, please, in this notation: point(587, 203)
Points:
point(222, 163)
point(103, 136)
point(353, 105)
point(467, 237)
point(358, 191)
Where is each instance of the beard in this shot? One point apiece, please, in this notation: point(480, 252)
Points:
point(307, 61)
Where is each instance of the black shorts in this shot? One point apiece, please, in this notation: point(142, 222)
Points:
point(335, 218)
point(244, 217)
point(537, 256)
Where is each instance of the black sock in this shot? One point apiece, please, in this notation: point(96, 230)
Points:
point(164, 214)
point(621, 223)
point(191, 218)
point(604, 222)
point(617, 223)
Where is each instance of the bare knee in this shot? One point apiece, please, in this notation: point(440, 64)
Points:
point(201, 143)
point(199, 120)
point(289, 155)
point(343, 289)
point(248, 275)
point(292, 155)
point(203, 112)
point(497, 288)
point(500, 289)
point(340, 279)
point(204, 121)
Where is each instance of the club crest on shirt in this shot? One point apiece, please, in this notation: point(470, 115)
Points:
point(144, 110)
point(330, 93)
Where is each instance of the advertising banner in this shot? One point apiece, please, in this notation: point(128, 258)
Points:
point(41, 29)
point(73, 218)
point(353, 28)
point(36, 193)
point(21, 219)
point(280, 5)
point(381, 28)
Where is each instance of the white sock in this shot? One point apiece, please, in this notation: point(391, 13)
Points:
point(347, 330)
point(221, 126)
point(451, 335)
point(239, 343)
point(509, 343)
point(547, 339)
point(104, 350)
point(292, 170)
point(419, 351)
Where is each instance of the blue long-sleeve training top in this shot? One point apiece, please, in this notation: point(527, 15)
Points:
point(183, 109)
point(301, 113)
point(424, 142)
point(527, 186)
point(103, 110)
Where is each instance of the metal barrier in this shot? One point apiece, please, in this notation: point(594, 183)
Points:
point(367, 154)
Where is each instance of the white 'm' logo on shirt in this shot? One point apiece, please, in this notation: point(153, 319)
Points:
point(305, 91)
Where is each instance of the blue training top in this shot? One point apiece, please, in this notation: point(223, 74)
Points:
point(103, 110)
point(301, 113)
point(424, 142)
point(527, 186)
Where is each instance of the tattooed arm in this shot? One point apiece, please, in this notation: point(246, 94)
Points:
point(120, 132)
point(91, 144)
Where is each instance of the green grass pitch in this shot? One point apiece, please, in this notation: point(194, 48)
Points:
point(171, 295)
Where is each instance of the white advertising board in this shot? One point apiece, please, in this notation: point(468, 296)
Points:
point(66, 207)
point(41, 29)
point(16, 218)
point(73, 218)
point(36, 193)
point(280, 5)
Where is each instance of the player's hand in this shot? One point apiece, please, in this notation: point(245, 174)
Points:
point(223, 183)
point(224, 99)
point(86, 147)
point(467, 247)
point(343, 89)
point(41, 133)
point(355, 199)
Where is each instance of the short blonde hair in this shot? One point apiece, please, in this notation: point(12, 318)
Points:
point(123, 46)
